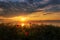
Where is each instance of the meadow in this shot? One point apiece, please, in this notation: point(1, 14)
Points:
point(35, 32)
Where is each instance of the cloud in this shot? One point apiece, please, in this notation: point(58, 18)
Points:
point(44, 1)
point(52, 8)
point(15, 8)
point(54, 2)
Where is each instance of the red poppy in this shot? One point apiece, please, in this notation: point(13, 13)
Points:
point(26, 33)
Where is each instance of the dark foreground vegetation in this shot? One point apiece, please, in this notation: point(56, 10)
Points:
point(35, 32)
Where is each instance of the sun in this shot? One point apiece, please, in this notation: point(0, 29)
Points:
point(23, 19)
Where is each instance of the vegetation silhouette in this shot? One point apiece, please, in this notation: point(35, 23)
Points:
point(35, 32)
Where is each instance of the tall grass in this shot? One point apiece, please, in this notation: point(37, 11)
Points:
point(36, 32)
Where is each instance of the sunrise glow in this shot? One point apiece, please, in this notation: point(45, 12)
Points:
point(23, 19)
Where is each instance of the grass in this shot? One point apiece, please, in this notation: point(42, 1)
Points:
point(36, 32)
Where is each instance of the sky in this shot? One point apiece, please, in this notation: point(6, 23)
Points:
point(31, 9)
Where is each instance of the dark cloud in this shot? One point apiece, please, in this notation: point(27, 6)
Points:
point(53, 8)
point(54, 2)
point(13, 8)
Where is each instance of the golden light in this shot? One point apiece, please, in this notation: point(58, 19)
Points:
point(20, 18)
point(22, 24)
point(26, 25)
point(23, 19)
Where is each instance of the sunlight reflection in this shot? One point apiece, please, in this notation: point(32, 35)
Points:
point(22, 24)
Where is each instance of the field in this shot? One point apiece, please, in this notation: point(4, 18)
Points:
point(35, 32)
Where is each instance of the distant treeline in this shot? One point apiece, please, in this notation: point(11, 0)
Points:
point(36, 32)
